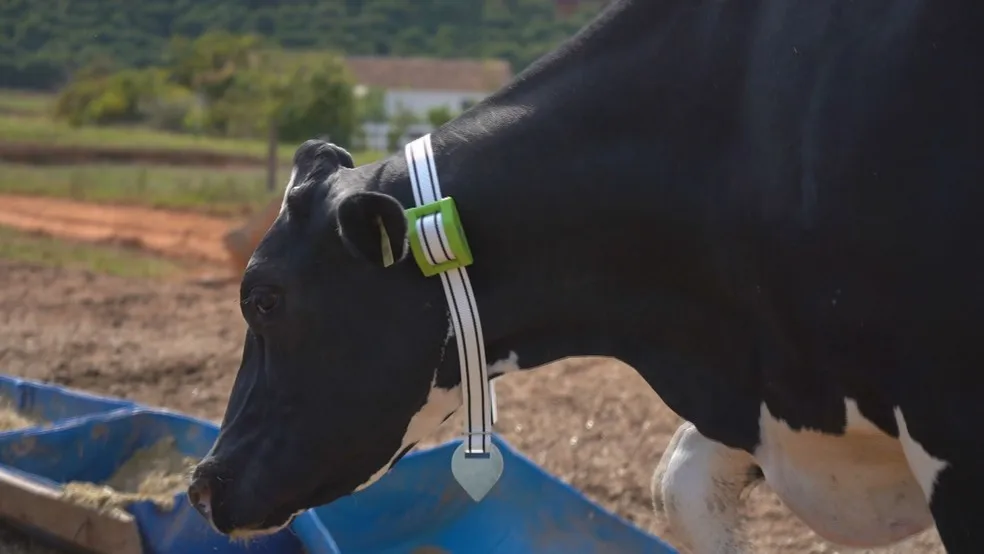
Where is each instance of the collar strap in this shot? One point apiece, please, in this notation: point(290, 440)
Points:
point(439, 247)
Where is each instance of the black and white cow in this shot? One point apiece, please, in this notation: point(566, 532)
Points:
point(772, 209)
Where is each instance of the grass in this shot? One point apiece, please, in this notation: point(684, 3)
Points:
point(215, 191)
point(25, 102)
point(24, 118)
point(33, 248)
point(31, 129)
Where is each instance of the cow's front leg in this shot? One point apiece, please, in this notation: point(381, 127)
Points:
point(950, 475)
point(956, 507)
point(697, 487)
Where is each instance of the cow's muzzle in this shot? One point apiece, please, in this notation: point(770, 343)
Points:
point(229, 507)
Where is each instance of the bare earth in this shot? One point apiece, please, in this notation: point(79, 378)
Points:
point(593, 422)
point(179, 235)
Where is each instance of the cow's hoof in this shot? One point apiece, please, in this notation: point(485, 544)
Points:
point(659, 474)
point(696, 491)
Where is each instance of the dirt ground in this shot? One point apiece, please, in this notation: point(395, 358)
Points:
point(593, 422)
point(179, 235)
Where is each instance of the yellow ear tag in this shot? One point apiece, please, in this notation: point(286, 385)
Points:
point(384, 243)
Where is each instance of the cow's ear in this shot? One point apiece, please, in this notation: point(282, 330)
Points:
point(323, 156)
point(373, 226)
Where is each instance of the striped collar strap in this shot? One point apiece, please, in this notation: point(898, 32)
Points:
point(438, 243)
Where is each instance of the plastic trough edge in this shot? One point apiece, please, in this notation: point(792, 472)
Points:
point(125, 406)
point(309, 518)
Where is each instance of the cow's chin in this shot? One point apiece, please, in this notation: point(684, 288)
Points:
point(231, 521)
point(223, 523)
point(249, 534)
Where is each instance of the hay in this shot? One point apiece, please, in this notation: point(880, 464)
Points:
point(11, 419)
point(156, 474)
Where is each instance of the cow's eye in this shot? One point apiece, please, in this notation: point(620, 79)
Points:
point(264, 300)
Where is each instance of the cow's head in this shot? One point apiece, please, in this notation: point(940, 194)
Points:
point(341, 356)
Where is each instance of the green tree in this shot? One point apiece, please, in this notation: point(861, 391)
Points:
point(371, 106)
point(44, 42)
point(400, 122)
point(105, 99)
point(439, 116)
point(302, 100)
point(318, 101)
point(209, 64)
point(221, 84)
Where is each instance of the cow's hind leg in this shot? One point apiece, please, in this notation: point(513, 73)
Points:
point(953, 482)
point(697, 487)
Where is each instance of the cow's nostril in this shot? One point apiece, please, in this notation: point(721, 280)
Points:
point(200, 496)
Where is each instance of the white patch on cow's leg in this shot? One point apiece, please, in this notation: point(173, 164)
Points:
point(697, 486)
point(656, 484)
point(856, 422)
point(440, 402)
point(498, 369)
point(502, 367)
point(853, 489)
point(925, 467)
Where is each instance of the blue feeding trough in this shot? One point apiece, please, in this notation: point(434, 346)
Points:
point(51, 405)
point(93, 449)
point(418, 508)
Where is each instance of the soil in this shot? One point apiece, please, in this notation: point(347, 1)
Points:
point(187, 236)
point(593, 422)
point(12, 542)
point(156, 473)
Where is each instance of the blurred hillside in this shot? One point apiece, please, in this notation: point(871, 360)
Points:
point(43, 42)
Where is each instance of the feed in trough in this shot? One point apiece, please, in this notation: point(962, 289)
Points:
point(11, 419)
point(156, 473)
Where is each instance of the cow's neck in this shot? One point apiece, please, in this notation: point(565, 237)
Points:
point(585, 240)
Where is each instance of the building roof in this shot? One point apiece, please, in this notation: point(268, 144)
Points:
point(421, 73)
